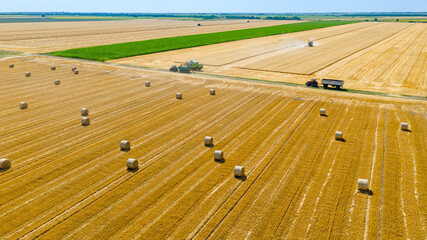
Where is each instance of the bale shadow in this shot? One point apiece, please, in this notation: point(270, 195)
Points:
point(220, 161)
point(406, 130)
point(85, 125)
point(335, 89)
point(133, 170)
point(369, 192)
point(210, 146)
point(242, 178)
point(125, 150)
point(4, 169)
point(324, 115)
point(341, 140)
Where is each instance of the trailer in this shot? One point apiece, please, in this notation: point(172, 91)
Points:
point(331, 82)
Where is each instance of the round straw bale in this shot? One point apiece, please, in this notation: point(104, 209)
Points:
point(85, 121)
point(362, 184)
point(147, 84)
point(132, 163)
point(218, 155)
point(52, 68)
point(404, 126)
point(28, 74)
point(11, 66)
point(322, 112)
point(23, 105)
point(178, 95)
point(73, 69)
point(212, 91)
point(57, 82)
point(124, 145)
point(338, 135)
point(208, 141)
point(239, 171)
point(84, 111)
point(4, 163)
point(76, 71)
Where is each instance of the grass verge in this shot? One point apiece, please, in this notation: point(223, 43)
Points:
point(7, 53)
point(122, 50)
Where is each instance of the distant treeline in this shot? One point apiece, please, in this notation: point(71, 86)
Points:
point(166, 15)
point(385, 14)
point(369, 14)
point(270, 16)
point(283, 18)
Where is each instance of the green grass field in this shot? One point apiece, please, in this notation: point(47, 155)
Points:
point(122, 50)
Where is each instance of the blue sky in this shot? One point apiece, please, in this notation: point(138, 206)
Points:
point(189, 6)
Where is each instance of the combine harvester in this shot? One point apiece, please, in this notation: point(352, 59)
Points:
point(187, 67)
point(310, 44)
point(326, 83)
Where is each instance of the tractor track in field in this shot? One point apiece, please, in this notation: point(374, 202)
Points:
point(371, 176)
point(380, 223)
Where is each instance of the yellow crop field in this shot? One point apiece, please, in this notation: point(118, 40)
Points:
point(374, 56)
point(56, 36)
point(69, 181)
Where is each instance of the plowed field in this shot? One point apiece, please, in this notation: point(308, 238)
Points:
point(384, 57)
point(70, 182)
point(55, 36)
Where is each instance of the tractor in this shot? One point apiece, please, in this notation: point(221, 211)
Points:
point(313, 83)
point(310, 43)
point(174, 68)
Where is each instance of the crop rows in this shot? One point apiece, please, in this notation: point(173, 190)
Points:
point(70, 182)
point(56, 36)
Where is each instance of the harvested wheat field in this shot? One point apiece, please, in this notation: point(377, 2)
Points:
point(384, 57)
point(55, 36)
point(70, 181)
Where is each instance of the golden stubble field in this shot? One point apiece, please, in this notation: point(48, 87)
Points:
point(55, 36)
point(381, 57)
point(69, 181)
